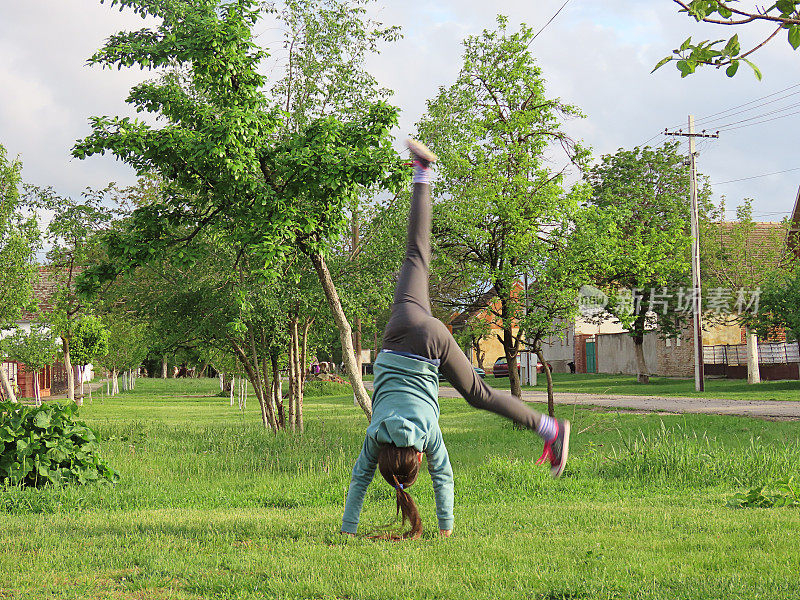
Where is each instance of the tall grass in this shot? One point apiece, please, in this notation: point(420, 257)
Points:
point(675, 455)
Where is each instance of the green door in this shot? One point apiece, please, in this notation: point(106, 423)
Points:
point(591, 357)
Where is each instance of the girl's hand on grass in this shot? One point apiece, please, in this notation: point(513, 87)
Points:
point(445, 532)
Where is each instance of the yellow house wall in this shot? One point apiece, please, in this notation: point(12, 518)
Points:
point(493, 349)
point(721, 334)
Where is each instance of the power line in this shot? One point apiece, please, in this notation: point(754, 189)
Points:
point(764, 121)
point(756, 176)
point(722, 112)
point(546, 25)
point(660, 133)
point(766, 114)
point(707, 122)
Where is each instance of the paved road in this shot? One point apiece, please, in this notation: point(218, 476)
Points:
point(769, 409)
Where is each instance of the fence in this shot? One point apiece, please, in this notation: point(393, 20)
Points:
point(777, 353)
point(776, 361)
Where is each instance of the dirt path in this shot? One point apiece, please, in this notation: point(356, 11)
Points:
point(762, 409)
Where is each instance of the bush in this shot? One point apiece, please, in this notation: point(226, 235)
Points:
point(45, 444)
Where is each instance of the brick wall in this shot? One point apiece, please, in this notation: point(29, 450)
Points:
point(580, 352)
point(675, 358)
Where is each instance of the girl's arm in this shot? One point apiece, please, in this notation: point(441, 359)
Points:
point(363, 472)
point(442, 478)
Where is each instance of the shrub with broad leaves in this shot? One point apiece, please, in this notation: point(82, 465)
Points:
point(46, 444)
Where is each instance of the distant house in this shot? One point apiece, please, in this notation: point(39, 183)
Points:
point(53, 378)
point(558, 351)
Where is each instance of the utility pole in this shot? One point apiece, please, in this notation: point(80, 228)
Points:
point(699, 375)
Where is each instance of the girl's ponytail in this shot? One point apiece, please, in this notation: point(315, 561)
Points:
point(400, 467)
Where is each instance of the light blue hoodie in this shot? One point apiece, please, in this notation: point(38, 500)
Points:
point(405, 412)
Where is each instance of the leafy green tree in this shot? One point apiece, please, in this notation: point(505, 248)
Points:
point(784, 15)
point(555, 281)
point(19, 240)
point(497, 199)
point(73, 235)
point(88, 343)
point(474, 331)
point(644, 193)
point(737, 261)
point(226, 163)
point(128, 344)
point(36, 348)
point(779, 303)
point(327, 44)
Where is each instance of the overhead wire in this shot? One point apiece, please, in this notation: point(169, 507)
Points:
point(546, 25)
point(755, 176)
point(733, 108)
point(761, 116)
point(708, 122)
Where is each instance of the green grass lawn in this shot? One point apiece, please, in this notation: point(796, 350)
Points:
point(735, 389)
point(212, 506)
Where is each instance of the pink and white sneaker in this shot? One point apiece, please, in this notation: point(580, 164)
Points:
point(557, 450)
point(421, 152)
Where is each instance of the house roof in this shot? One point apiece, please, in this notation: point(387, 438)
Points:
point(761, 241)
point(481, 307)
point(477, 307)
point(44, 288)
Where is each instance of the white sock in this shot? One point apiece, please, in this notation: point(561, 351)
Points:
point(548, 428)
point(422, 174)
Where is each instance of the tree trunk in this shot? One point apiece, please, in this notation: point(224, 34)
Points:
point(259, 385)
point(251, 368)
point(480, 355)
point(115, 385)
point(233, 384)
point(81, 371)
point(348, 356)
point(292, 374)
point(642, 374)
point(277, 393)
point(512, 361)
point(7, 389)
point(551, 404)
point(268, 391)
point(357, 351)
point(303, 354)
point(70, 371)
point(753, 371)
point(164, 367)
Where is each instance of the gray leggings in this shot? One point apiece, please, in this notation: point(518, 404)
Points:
point(412, 327)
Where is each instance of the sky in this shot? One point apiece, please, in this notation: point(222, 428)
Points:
point(596, 55)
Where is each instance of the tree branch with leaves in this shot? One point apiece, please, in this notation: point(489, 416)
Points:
point(783, 14)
